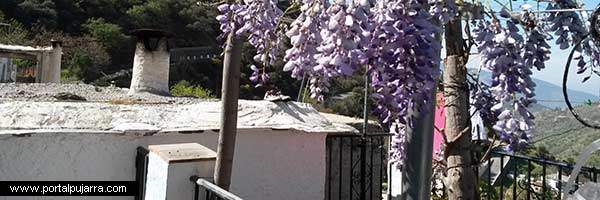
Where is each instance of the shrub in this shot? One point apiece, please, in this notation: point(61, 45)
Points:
point(184, 88)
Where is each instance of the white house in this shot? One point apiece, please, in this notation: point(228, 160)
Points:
point(280, 149)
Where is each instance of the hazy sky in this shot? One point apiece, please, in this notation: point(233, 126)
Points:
point(555, 66)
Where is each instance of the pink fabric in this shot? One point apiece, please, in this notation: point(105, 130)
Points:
point(439, 122)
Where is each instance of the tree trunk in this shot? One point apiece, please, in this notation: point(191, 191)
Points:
point(230, 92)
point(460, 172)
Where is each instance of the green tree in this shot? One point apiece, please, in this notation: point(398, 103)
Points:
point(41, 12)
point(11, 31)
point(108, 34)
point(151, 14)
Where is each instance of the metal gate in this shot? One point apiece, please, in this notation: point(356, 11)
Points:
point(356, 166)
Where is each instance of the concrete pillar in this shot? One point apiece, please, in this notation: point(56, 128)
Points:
point(151, 62)
point(51, 64)
point(4, 70)
point(170, 167)
point(12, 68)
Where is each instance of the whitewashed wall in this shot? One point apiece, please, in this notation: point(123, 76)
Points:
point(268, 164)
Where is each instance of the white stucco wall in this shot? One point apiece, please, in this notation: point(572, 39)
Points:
point(279, 165)
point(268, 164)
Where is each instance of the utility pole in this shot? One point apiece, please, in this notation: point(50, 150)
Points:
point(460, 171)
point(230, 92)
point(416, 175)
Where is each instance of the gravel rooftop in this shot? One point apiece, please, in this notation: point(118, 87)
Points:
point(52, 92)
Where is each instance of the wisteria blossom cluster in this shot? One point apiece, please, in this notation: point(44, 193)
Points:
point(394, 39)
point(501, 49)
point(398, 144)
point(305, 37)
point(537, 50)
point(259, 20)
point(591, 48)
point(571, 29)
point(483, 101)
point(443, 10)
point(403, 61)
point(568, 26)
point(439, 168)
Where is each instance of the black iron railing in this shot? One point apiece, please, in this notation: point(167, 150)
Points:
point(356, 166)
point(210, 191)
point(510, 176)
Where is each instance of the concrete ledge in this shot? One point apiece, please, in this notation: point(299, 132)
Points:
point(28, 116)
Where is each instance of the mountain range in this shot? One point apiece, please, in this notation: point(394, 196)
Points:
point(549, 95)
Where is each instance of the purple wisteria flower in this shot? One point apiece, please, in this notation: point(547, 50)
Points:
point(571, 29)
point(259, 20)
point(537, 50)
point(501, 49)
point(403, 62)
point(443, 10)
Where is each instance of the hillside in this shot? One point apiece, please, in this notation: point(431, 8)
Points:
point(563, 136)
point(548, 94)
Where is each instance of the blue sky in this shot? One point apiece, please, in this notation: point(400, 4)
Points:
point(555, 66)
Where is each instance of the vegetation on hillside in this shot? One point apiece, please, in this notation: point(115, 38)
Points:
point(563, 137)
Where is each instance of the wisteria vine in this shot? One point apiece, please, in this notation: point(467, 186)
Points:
point(394, 40)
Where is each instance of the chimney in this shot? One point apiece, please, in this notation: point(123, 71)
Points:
point(51, 63)
point(151, 62)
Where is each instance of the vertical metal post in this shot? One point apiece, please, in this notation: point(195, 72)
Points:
point(341, 167)
point(559, 182)
point(500, 175)
point(529, 179)
point(329, 147)
point(196, 191)
point(382, 167)
point(301, 87)
point(416, 174)
point(351, 165)
point(543, 180)
point(363, 143)
point(576, 181)
point(515, 172)
point(489, 181)
point(141, 164)
point(372, 144)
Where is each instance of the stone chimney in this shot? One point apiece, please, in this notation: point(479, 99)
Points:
point(51, 63)
point(151, 62)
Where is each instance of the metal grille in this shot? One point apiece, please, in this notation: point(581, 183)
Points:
point(509, 176)
point(356, 166)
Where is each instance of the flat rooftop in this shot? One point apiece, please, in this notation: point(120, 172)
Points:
point(59, 108)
